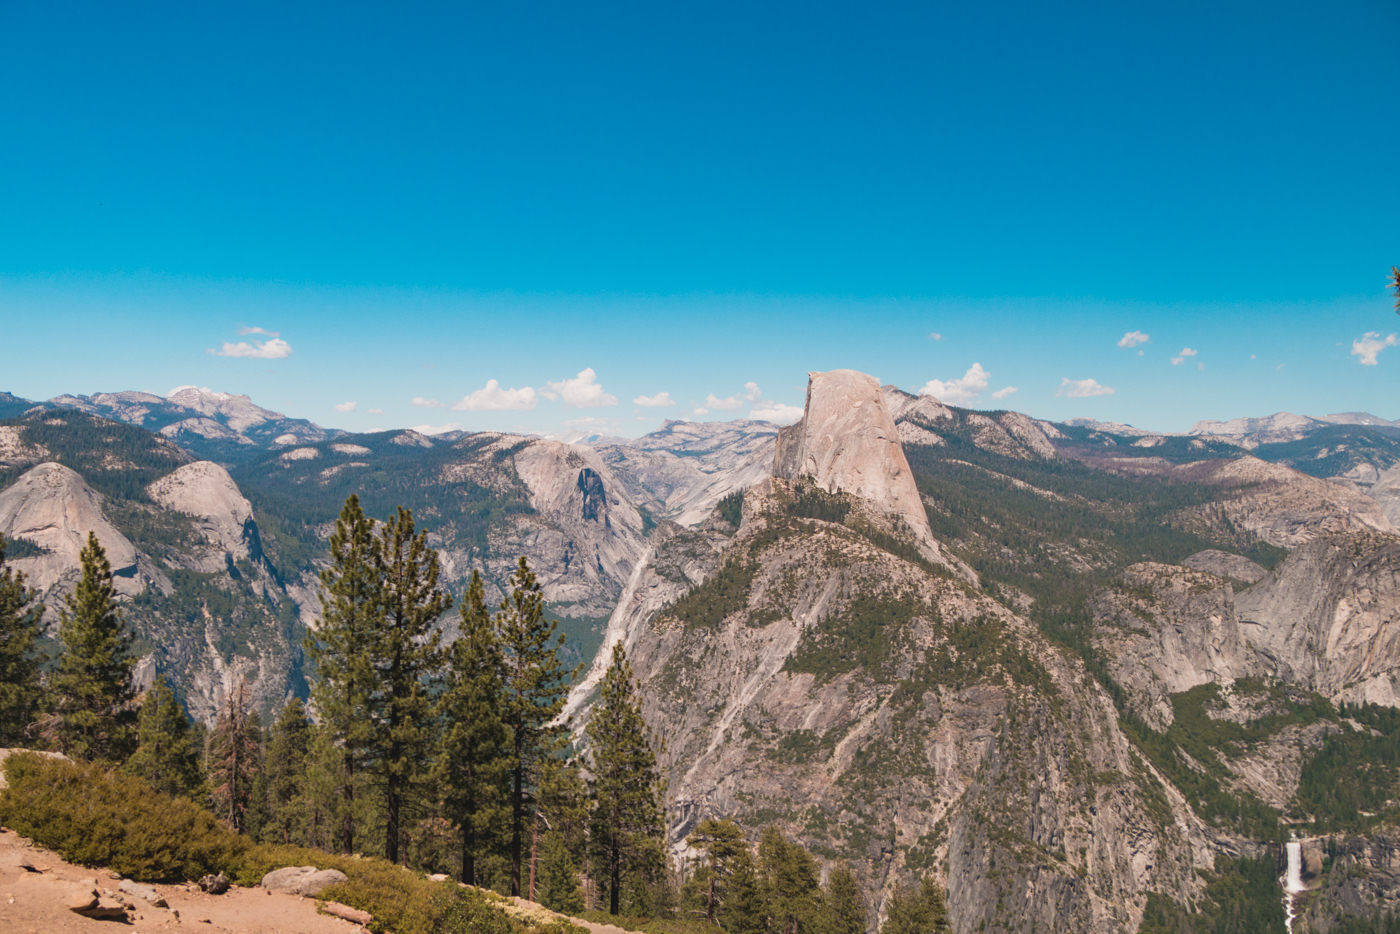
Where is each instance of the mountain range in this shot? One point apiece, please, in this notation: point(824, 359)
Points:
point(1081, 672)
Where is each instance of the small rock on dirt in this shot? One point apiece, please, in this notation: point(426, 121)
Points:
point(215, 884)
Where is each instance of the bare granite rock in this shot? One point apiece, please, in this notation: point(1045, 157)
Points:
point(847, 442)
point(53, 507)
point(302, 880)
point(204, 490)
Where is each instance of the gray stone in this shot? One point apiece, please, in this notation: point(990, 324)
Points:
point(302, 880)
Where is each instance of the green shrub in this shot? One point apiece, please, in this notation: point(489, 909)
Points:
point(100, 818)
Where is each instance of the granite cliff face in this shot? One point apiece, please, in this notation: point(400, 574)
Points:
point(205, 491)
point(847, 443)
point(52, 507)
point(1328, 618)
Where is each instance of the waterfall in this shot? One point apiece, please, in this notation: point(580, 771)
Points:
point(1292, 881)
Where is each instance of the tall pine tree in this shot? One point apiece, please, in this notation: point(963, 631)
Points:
point(536, 684)
point(167, 755)
point(788, 877)
point(406, 656)
point(473, 752)
point(919, 910)
point(843, 905)
point(342, 651)
point(625, 788)
point(92, 685)
point(234, 757)
point(288, 748)
point(722, 842)
point(19, 655)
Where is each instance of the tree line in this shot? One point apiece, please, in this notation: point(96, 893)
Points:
point(446, 755)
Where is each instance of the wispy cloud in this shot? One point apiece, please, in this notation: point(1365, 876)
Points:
point(1369, 345)
point(426, 403)
point(274, 349)
point(1005, 391)
point(660, 400)
point(965, 388)
point(245, 331)
point(493, 398)
point(581, 392)
point(1181, 357)
point(935, 336)
point(346, 406)
point(779, 413)
point(1133, 338)
point(376, 411)
point(1083, 388)
point(750, 396)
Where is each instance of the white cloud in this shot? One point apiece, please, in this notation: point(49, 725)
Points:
point(1082, 388)
point(274, 349)
point(1181, 357)
point(1133, 338)
point(1005, 391)
point(751, 395)
point(935, 336)
point(776, 412)
point(436, 429)
point(660, 400)
point(376, 411)
point(492, 398)
point(263, 331)
point(1369, 345)
point(699, 410)
point(426, 403)
point(581, 392)
point(346, 406)
point(965, 388)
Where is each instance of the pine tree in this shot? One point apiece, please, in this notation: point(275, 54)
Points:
point(789, 882)
point(167, 754)
point(473, 754)
point(625, 786)
point(341, 649)
point(558, 888)
point(723, 842)
point(406, 655)
point(234, 758)
point(287, 751)
point(843, 905)
point(917, 911)
point(742, 911)
point(93, 681)
point(20, 691)
point(536, 684)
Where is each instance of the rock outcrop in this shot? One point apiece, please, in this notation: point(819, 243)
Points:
point(847, 443)
point(54, 508)
point(1328, 618)
point(204, 490)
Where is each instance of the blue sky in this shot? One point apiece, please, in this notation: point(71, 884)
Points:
point(592, 205)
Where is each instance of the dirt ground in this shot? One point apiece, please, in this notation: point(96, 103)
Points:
point(33, 902)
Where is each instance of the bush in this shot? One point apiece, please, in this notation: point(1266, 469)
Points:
point(99, 818)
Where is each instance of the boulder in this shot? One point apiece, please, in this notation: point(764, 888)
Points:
point(143, 892)
point(302, 880)
point(214, 884)
point(75, 896)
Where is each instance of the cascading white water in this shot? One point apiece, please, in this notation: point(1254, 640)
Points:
point(1292, 881)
